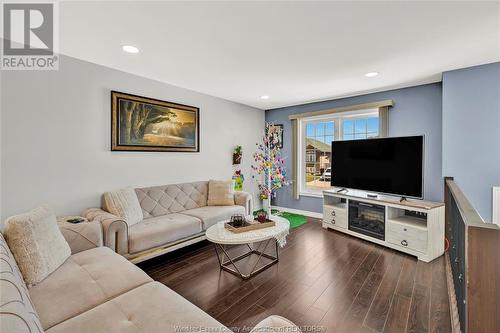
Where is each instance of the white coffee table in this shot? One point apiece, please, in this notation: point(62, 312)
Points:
point(221, 237)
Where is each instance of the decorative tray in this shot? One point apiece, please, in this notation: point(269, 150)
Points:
point(248, 226)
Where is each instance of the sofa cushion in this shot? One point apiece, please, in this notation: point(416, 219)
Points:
point(124, 204)
point(37, 243)
point(84, 281)
point(17, 313)
point(161, 230)
point(210, 215)
point(162, 200)
point(149, 308)
point(220, 193)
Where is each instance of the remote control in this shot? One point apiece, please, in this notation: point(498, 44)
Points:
point(75, 220)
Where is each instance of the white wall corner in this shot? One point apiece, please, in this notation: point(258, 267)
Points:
point(496, 205)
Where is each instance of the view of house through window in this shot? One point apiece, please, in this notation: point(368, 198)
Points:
point(316, 144)
point(319, 137)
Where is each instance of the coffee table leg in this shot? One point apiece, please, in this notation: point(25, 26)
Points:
point(223, 265)
point(232, 261)
point(217, 254)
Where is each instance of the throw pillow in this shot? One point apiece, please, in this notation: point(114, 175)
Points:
point(220, 193)
point(36, 243)
point(124, 204)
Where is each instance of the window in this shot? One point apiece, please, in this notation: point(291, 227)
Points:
point(314, 144)
point(360, 128)
point(318, 137)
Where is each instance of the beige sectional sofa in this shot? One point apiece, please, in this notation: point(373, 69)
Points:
point(173, 216)
point(97, 290)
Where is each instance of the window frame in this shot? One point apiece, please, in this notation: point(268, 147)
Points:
point(338, 119)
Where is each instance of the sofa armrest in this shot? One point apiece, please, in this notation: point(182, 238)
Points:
point(275, 324)
point(244, 199)
point(115, 230)
point(81, 236)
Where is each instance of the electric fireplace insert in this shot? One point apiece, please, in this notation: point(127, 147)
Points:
point(367, 219)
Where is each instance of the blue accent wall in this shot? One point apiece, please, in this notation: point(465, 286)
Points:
point(417, 110)
point(471, 132)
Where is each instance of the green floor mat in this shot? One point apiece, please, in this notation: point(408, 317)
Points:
point(296, 220)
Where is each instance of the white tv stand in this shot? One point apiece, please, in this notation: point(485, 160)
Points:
point(412, 226)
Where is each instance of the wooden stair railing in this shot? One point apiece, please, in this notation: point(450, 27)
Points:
point(473, 265)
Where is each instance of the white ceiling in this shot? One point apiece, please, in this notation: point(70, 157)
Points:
point(295, 52)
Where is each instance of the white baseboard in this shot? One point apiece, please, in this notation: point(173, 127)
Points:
point(298, 211)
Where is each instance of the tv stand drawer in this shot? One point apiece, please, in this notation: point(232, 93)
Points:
point(335, 216)
point(407, 236)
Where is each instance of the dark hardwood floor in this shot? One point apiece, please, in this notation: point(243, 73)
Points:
point(324, 279)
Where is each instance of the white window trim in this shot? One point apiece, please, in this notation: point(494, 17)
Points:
point(338, 133)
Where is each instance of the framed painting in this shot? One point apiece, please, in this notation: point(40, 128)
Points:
point(146, 124)
point(276, 131)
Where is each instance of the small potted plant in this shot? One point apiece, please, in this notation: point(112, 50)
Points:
point(238, 180)
point(237, 155)
point(262, 216)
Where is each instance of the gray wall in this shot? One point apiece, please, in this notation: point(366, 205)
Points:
point(55, 138)
point(1, 159)
point(417, 110)
point(471, 132)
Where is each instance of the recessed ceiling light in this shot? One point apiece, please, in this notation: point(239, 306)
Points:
point(371, 74)
point(264, 97)
point(130, 49)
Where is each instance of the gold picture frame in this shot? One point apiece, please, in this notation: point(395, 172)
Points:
point(146, 124)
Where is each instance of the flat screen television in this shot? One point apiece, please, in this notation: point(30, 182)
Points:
point(384, 165)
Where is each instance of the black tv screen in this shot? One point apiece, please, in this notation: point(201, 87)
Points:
point(385, 165)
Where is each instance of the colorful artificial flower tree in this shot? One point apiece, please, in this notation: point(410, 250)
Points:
point(270, 165)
